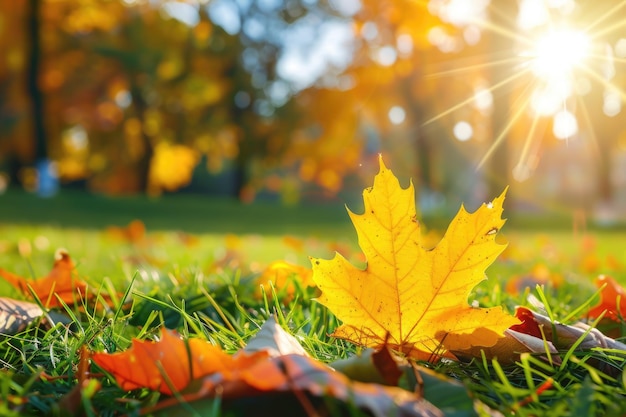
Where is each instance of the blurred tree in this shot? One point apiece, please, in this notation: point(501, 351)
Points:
point(125, 79)
point(502, 15)
point(394, 96)
point(14, 104)
point(380, 93)
point(603, 107)
point(139, 94)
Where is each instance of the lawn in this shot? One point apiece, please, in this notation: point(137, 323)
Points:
point(196, 268)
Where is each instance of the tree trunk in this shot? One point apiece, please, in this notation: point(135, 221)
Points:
point(32, 79)
point(47, 181)
point(140, 106)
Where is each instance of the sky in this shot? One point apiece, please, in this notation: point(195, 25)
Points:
point(311, 45)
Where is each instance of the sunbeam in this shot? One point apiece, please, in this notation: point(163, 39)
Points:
point(473, 97)
point(512, 120)
point(608, 29)
point(588, 122)
point(607, 84)
point(497, 29)
point(521, 172)
point(473, 67)
point(609, 13)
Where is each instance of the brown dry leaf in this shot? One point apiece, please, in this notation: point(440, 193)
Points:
point(15, 315)
point(274, 340)
point(539, 335)
point(409, 298)
point(308, 381)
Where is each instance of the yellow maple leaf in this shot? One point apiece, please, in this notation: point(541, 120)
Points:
point(412, 299)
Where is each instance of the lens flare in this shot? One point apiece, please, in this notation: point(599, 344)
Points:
point(558, 52)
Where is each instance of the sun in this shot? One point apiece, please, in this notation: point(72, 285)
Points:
point(546, 81)
point(558, 52)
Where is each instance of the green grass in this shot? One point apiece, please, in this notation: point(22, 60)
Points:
point(203, 284)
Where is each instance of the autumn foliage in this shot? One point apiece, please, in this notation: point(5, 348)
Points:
point(170, 364)
point(61, 282)
point(612, 303)
point(409, 298)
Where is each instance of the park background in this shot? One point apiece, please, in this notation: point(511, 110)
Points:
point(292, 101)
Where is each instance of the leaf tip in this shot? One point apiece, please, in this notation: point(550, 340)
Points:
point(381, 163)
point(499, 200)
point(61, 254)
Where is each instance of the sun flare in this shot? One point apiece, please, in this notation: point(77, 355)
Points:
point(559, 52)
point(547, 82)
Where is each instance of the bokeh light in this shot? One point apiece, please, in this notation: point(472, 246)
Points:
point(397, 115)
point(565, 125)
point(463, 131)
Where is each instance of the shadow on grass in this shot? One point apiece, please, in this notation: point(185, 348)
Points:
point(198, 214)
point(205, 214)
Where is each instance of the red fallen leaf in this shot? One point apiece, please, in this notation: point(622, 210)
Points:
point(61, 281)
point(528, 325)
point(519, 338)
point(612, 300)
point(165, 365)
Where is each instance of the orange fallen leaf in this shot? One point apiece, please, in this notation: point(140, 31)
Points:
point(590, 263)
point(540, 274)
point(273, 363)
point(188, 239)
point(279, 274)
point(135, 232)
point(61, 281)
point(169, 364)
point(408, 298)
point(612, 300)
point(294, 243)
point(613, 263)
point(285, 379)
